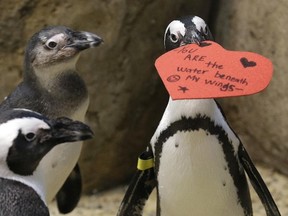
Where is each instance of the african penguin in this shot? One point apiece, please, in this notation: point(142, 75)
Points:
point(199, 160)
point(52, 87)
point(25, 138)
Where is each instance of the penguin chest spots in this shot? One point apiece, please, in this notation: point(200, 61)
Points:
point(61, 159)
point(54, 164)
point(194, 178)
point(57, 164)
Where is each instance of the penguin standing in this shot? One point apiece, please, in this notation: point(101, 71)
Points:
point(199, 160)
point(52, 87)
point(25, 138)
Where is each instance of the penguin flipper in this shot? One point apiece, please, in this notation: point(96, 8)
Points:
point(139, 189)
point(258, 183)
point(69, 195)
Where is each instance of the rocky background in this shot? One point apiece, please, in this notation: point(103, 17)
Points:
point(127, 96)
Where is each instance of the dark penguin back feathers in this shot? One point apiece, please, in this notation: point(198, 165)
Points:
point(19, 113)
point(18, 199)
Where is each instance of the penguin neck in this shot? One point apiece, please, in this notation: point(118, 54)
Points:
point(189, 108)
point(47, 77)
point(57, 80)
point(177, 109)
point(59, 85)
point(31, 181)
point(193, 108)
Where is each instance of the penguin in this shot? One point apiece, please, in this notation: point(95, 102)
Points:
point(52, 87)
point(199, 161)
point(25, 138)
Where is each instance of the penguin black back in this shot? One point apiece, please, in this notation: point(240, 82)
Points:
point(18, 199)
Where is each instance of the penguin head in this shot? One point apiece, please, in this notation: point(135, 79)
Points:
point(187, 30)
point(57, 45)
point(26, 137)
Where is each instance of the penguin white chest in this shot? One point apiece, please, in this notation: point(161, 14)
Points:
point(194, 177)
point(56, 166)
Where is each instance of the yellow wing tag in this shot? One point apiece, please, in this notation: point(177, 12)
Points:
point(145, 164)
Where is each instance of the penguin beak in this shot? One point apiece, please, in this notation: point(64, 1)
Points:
point(82, 40)
point(66, 130)
point(192, 35)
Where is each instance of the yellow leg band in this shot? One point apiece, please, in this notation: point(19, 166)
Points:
point(145, 164)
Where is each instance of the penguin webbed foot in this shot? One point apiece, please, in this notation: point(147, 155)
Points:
point(258, 183)
point(69, 195)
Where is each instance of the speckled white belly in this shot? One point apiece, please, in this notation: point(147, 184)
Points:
point(56, 166)
point(194, 177)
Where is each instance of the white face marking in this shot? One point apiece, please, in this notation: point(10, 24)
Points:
point(175, 27)
point(200, 23)
point(9, 131)
point(57, 38)
point(43, 38)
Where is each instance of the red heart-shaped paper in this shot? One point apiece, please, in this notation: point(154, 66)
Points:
point(209, 71)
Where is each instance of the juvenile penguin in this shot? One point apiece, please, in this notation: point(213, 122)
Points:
point(52, 87)
point(25, 138)
point(200, 162)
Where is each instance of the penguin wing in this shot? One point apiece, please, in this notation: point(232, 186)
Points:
point(139, 189)
point(26, 97)
point(69, 194)
point(258, 183)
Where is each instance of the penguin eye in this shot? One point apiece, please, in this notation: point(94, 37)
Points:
point(174, 38)
point(51, 44)
point(30, 136)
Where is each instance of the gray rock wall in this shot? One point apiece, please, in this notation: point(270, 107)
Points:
point(261, 120)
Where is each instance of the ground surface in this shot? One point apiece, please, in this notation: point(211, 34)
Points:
point(107, 203)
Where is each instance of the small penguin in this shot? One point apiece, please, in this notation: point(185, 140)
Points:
point(52, 87)
point(25, 138)
point(200, 162)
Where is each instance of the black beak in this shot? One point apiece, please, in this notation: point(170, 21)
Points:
point(192, 35)
point(83, 40)
point(66, 130)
